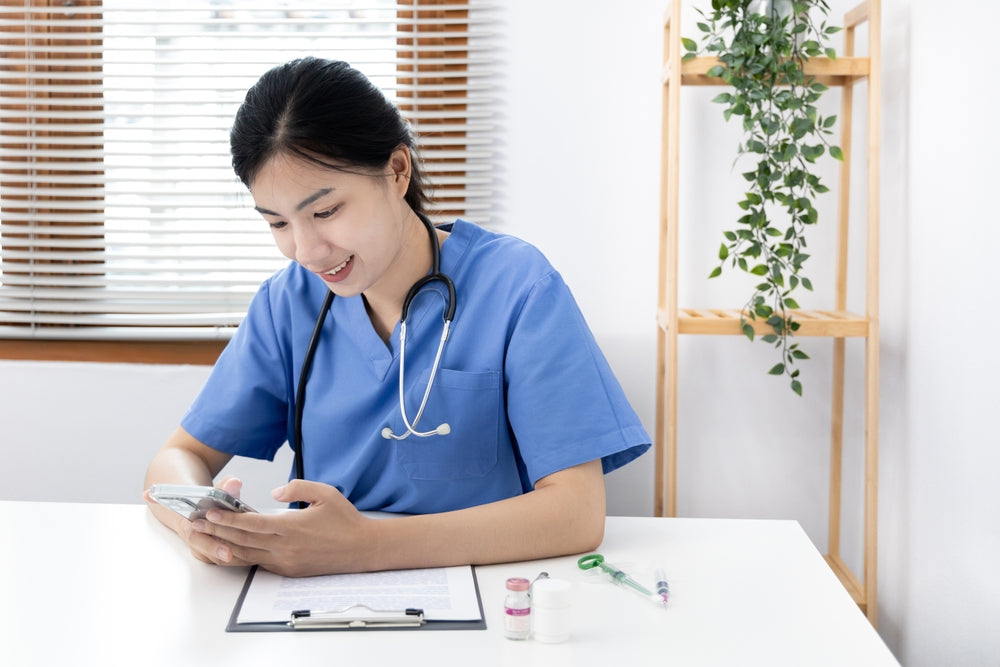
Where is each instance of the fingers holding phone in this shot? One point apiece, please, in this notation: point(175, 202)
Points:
point(193, 503)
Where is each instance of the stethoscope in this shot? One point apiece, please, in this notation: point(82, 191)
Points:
point(448, 314)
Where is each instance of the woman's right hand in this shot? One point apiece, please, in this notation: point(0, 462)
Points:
point(207, 548)
point(185, 460)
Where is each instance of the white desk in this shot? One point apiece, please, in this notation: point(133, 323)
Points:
point(108, 585)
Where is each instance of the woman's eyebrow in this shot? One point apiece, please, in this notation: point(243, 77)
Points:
point(313, 197)
point(322, 192)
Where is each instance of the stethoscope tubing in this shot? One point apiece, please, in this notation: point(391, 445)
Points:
point(300, 391)
point(435, 275)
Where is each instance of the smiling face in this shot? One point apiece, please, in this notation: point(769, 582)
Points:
point(351, 229)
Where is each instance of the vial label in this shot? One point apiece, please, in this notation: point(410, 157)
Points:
point(517, 622)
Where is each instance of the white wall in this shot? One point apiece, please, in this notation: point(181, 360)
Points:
point(579, 177)
point(943, 500)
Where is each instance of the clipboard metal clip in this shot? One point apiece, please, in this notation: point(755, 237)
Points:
point(356, 617)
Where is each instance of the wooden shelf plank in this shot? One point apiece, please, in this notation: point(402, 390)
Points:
point(849, 581)
point(726, 322)
point(826, 71)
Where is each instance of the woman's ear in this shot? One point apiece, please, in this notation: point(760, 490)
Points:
point(399, 169)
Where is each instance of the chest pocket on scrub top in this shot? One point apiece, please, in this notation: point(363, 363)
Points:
point(471, 404)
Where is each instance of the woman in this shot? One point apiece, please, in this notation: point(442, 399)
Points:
point(525, 415)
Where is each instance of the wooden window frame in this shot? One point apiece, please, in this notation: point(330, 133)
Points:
point(206, 352)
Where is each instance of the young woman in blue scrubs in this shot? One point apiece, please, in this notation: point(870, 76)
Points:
point(535, 416)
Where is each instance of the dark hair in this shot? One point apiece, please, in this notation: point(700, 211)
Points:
point(326, 112)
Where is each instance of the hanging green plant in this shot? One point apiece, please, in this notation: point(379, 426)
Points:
point(762, 47)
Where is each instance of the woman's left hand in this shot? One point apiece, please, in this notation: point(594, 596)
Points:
point(328, 536)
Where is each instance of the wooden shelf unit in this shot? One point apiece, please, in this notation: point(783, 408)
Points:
point(839, 324)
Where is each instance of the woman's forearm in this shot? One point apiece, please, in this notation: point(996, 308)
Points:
point(564, 514)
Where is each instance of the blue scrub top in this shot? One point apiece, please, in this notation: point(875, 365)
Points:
point(521, 382)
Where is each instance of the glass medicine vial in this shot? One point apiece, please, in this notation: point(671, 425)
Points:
point(517, 609)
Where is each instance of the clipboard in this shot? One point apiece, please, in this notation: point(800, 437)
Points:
point(358, 616)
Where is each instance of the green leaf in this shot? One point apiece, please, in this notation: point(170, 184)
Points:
point(716, 272)
point(800, 127)
point(723, 98)
point(790, 302)
point(836, 153)
point(770, 338)
point(812, 152)
point(748, 331)
point(689, 44)
point(723, 251)
point(797, 387)
point(777, 369)
point(799, 354)
point(759, 270)
point(716, 71)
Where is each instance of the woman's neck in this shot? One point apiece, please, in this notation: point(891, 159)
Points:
point(384, 301)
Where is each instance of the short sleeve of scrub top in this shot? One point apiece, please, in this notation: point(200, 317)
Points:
point(522, 384)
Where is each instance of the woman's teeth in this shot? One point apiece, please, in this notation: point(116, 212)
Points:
point(337, 269)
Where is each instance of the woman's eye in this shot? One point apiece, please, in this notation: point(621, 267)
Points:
point(278, 225)
point(327, 213)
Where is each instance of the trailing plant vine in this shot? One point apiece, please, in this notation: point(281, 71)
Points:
point(761, 56)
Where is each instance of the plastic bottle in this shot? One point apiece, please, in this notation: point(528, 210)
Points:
point(551, 620)
point(517, 609)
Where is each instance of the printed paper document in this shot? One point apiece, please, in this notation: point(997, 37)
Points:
point(444, 594)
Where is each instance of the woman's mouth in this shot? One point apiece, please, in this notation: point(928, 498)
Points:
point(339, 272)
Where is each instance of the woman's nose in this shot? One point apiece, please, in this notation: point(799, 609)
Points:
point(311, 249)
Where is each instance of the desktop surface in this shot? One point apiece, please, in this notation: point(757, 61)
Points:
point(88, 584)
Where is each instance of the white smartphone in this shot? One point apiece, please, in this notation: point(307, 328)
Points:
point(192, 502)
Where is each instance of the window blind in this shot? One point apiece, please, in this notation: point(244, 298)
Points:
point(120, 217)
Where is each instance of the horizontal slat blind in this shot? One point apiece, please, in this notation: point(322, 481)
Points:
point(120, 217)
